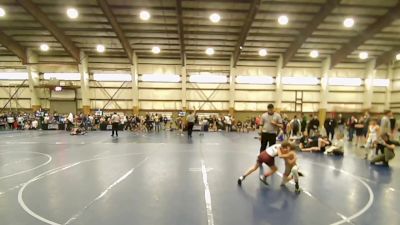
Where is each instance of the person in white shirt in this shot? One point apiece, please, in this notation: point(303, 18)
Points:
point(34, 124)
point(115, 120)
point(268, 157)
point(337, 146)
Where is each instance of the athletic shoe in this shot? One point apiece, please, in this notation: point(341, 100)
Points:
point(263, 179)
point(240, 180)
point(297, 187)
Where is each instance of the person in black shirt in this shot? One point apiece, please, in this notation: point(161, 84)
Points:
point(330, 125)
point(313, 125)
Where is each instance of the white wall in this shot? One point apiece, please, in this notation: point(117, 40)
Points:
point(209, 97)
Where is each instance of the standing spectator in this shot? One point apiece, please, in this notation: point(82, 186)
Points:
point(392, 125)
point(330, 125)
point(303, 123)
point(191, 118)
point(228, 123)
point(115, 120)
point(367, 120)
point(10, 121)
point(385, 123)
point(270, 123)
point(165, 120)
point(351, 125)
point(313, 125)
point(359, 127)
point(157, 123)
point(295, 126)
point(341, 124)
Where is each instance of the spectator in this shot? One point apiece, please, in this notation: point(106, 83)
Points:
point(313, 126)
point(388, 147)
point(115, 121)
point(330, 126)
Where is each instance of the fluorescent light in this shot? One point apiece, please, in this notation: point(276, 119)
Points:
point(156, 50)
point(58, 88)
point(343, 81)
point(100, 48)
point(254, 80)
point(72, 13)
point(283, 20)
point(14, 76)
point(208, 78)
point(380, 82)
point(144, 15)
point(215, 17)
point(2, 12)
point(348, 22)
point(44, 47)
point(210, 51)
point(62, 76)
point(300, 80)
point(263, 52)
point(398, 56)
point(170, 78)
point(112, 77)
point(314, 54)
point(363, 55)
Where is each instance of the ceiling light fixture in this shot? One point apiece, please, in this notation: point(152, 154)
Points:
point(348, 22)
point(44, 47)
point(156, 50)
point(144, 15)
point(215, 17)
point(2, 12)
point(72, 13)
point(283, 20)
point(210, 51)
point(263, 52)
point(100, 48)
point(363, 55)
point(314, 54)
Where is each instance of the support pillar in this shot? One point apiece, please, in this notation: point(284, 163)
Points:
point(232, 75)
point(85, 91)
point(183, 93)
point(278, 82)
point(369, 91)
point(34, 80)
point(389, 88)
point(135, 84)
point(323, 103)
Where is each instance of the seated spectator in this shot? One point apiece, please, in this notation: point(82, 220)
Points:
point(304, 140)
point(239, 126)
point(384, 143)
point(337, 146)
point(317, 144)
point(78, 131)
point(35, 124)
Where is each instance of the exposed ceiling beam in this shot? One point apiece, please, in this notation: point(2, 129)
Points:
point(116, 27)
point(42, 18)
point(13, 46)
point(357, 41)
point(255, 5)
point(180, 30)
point(325, 11)
point(387, 57)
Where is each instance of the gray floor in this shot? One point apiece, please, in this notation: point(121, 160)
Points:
point(54, 178)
